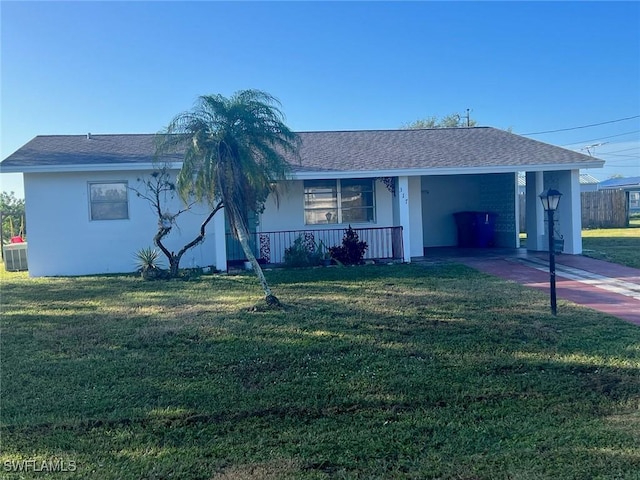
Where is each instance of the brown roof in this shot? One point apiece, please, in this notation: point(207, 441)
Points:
point(334, 151)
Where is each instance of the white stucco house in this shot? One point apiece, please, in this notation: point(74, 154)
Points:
point(399, 188)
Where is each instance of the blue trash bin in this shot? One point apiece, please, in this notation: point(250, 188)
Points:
point(465, 222)
point(485, 229)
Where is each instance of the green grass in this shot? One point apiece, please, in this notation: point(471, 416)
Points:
point(406, 371)
point(618, 245)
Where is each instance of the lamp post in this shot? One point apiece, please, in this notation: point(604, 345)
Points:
point(550, 200)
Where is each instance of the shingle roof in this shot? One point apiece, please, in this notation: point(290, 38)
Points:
point(64, 150)
point(429, 148)
point(331, 151)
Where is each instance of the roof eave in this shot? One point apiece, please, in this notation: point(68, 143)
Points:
point(317, 174)
point(104, 167)
point(411, 172)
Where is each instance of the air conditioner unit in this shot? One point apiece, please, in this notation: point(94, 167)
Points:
point(15, 257)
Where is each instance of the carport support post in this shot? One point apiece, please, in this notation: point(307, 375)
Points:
point(534, 212)
point(404, 218)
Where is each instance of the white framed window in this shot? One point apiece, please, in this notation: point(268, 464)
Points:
point(109, 200)
point(339, 201)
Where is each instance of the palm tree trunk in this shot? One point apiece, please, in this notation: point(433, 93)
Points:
point(243, 237)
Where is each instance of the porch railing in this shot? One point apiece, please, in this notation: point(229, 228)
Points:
point(384, 243)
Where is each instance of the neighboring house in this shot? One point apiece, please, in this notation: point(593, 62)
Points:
point(399, 188)
point(588, 183)
point(628, 184)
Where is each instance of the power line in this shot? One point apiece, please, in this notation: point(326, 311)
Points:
point(582, 126)
point(622, 158)
point(623, 161)
point(618, 151)
point(601, 138)
point(619, 165)
point(618, 155)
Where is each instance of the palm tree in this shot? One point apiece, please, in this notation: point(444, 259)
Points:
point(234, 152)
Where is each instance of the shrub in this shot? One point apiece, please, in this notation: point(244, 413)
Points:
point(352, 250)
point(148, 263)
point(298, 254)
point(322, 255)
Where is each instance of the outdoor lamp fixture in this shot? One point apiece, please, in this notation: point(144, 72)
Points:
point(550, 200)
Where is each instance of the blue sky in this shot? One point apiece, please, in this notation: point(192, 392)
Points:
point(129, 67)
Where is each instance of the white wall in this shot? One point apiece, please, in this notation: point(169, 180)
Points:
point(63, 240)
point(288, 214)
point(442, 196)
point(415, 218)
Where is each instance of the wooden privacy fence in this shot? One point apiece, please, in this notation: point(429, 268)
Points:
point(600, 209)
point(605, 209)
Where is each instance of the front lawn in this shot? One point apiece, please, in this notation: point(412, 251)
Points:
point(406, 371)
point(618, 245)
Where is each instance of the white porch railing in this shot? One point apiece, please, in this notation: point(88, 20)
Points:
point(268, 247)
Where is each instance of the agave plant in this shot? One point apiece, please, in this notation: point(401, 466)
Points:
point(148, 263)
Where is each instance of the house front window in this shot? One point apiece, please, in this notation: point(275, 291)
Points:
point(108, 200)
point(339, 201)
